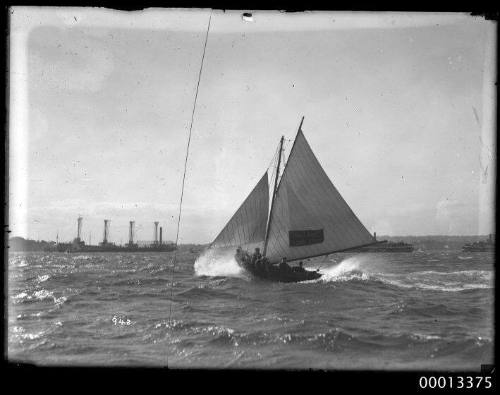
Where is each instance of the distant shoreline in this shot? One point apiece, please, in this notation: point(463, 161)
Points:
point(429, 242)
point(19, 244)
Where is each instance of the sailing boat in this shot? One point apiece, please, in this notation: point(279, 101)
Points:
point(307, 218)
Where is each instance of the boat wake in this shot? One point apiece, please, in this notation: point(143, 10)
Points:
point(442, 281)
point(218, 263)
point(359, 269)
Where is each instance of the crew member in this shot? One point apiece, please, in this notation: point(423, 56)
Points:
point(260, 263)
point(283, 265)
point(246, 256)
point(256, 255)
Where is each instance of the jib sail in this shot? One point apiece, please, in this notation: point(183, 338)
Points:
point(247, 227)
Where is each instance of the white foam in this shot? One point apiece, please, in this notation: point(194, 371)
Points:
point(43, 278)
point(21, 334)
point(43, 294)
point(421, 336)
point(60, 301)
point(22, 263)
point(21, 295)
point(32, 336)
point(40, 294)
point(451, 288)
point(362, 268)
point(485, 275)
point(349, 269)
point(217, 263)
point(441, 281)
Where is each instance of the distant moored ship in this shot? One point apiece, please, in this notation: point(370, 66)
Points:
point(480, 246)
point(78, 245)
point(386, 246)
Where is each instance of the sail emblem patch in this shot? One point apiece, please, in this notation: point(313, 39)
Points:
point(299, 238)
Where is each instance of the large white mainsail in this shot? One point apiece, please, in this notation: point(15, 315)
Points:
point(309, 217)
point(247, 227)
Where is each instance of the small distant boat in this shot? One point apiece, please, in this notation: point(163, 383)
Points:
point(307, 218)
point(480, 246)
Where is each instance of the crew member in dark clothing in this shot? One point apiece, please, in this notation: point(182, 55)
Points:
point(254, 258)
point(283, 265)
point(256, 255)
point(242, 255)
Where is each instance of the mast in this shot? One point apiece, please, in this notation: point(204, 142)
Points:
point(274, 193)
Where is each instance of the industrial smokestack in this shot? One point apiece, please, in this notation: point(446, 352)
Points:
point(375, 236)
point(79, 229)
point(161, 234)
point(156, 232)
point(131, 233)
point(106, 231)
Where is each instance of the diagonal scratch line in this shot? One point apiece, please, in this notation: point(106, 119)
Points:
point(174, 258)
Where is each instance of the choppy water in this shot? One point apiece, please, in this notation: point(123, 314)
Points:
point(421, 310)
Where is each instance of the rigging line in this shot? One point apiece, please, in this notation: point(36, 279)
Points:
point(273, 159)
point(174, 258)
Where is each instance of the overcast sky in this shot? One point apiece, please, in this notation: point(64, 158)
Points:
point(398, 109)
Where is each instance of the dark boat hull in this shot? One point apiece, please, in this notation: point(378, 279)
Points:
point(274, 273)
point(112, 248)
point(478, 249)
point(388, 249)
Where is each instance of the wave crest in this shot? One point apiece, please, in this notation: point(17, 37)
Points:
point(217, 263)
point(359, 269)
point(442, 281)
